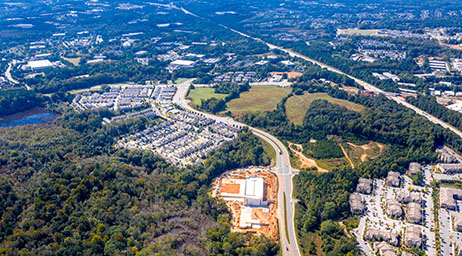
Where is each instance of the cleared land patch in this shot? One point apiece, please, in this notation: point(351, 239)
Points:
point(203, 93)
point(258, 99)
point(359, 32)
point(359, 154)
point(297, 105)
point(74, 61)
point(301, 160)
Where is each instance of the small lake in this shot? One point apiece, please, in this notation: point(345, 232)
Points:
point(33, 116)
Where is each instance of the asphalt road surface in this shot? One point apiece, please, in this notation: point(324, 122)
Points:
point(283, 170)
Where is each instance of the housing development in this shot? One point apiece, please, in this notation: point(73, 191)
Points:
point(248, 127)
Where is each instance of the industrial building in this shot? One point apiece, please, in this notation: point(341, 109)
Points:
point(250, 192)
point(38, 65)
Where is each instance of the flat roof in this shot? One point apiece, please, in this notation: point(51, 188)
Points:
point(40, 64)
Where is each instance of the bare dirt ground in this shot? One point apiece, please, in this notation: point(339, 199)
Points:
point(365, 148)
point(266, 216)
point(346, 155)
point(303, 161)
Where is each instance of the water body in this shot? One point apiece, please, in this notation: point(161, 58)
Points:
point(33, 116)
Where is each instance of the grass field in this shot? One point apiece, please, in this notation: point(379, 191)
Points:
point(297, 105)
point(74, 61)
point(198, 94)
point(258, 99)
point(181, 80)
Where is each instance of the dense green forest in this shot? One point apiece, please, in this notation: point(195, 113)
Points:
point(323, 197)
point(322, 149)
point(429, 104)
point(17, 100)
point(66, 190)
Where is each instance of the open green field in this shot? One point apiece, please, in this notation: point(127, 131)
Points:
point(74, 61)
point(181, 80)
point(258, 99)
point(297, 105)
point(198, 94)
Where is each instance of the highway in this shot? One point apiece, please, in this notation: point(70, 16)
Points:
point(366, 85)
point(282, 168)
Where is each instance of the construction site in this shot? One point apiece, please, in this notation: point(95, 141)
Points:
point(251, 196)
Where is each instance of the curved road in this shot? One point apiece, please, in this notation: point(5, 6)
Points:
point(283, 170)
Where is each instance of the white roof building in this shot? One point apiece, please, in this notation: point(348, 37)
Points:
point(40, 64)
point(251, 191)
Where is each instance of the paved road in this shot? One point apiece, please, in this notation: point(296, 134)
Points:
point(365, 84)
point(8, 74)
point(10, 77)
point(283, 169)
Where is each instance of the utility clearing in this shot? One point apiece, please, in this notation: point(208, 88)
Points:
point(302, 160)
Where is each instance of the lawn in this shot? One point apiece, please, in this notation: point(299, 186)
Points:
point(297, 105)
point(181, 80)
point(197, 94)
point(74, 61)
point(258, 99)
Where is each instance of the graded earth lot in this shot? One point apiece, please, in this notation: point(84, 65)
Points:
point(296, 103)
point(251, 196)
point(258, 99)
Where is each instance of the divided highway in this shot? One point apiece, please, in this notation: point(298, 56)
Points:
point(366, 85)
point(283, 170)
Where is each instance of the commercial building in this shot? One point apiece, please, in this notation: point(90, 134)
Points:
point(181, 64)
point(37, 65)
point(249, 191)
